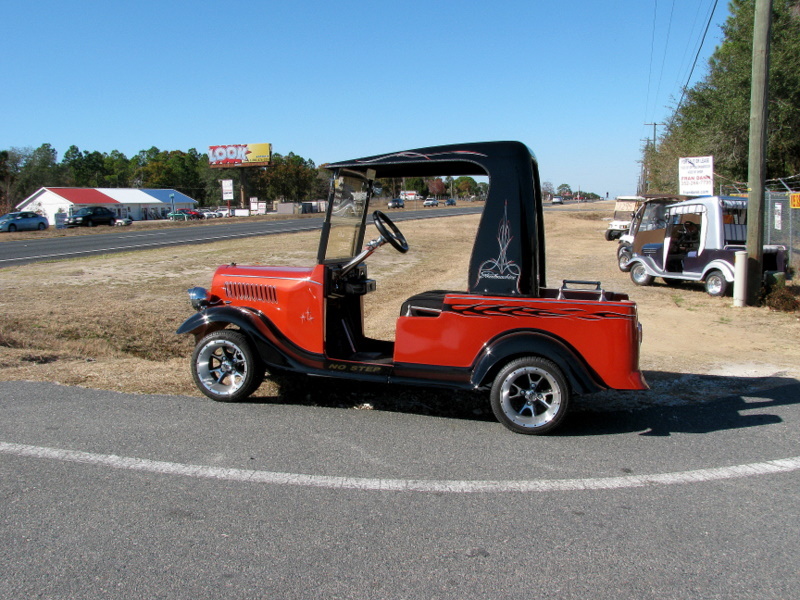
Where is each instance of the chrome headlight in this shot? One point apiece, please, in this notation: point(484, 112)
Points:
point(198, 297)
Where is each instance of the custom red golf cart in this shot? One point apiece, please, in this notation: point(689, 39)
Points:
point(531, 347)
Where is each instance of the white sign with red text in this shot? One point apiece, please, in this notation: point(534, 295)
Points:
point(696, 176)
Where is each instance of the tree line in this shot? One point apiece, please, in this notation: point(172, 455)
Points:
point(713, 116)
point(289, 178)
point(24, 170)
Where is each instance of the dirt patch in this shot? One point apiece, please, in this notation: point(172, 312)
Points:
point(109, 322)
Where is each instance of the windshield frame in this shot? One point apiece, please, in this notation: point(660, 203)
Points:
point(342, 234)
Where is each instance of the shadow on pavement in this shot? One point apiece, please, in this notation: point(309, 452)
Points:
point(676, 402)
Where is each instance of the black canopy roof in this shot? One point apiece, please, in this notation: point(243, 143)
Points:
point(475, 159)
point(508, 253)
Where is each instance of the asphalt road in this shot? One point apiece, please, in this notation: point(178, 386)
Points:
point(129, 239)
point(108, 495)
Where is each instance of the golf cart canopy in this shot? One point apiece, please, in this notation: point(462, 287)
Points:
point(508, 252)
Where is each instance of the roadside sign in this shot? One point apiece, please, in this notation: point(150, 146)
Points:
point(696, 176)
point(794, 200)
point(227, 189)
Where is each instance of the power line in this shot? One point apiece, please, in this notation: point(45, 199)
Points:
point(694, 64)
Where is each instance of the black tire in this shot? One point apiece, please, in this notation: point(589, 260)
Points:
point(530, 396)
point(716, 284)
point(624, 255)
point(12, 228)
point(41, 227)
point(225, 368)
point(640, 276)
point(112, 221)
point(90, 223)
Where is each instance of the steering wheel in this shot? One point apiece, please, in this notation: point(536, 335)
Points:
point(389, 232)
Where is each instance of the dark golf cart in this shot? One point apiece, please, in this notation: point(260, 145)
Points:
point(696, 240)
point(530, 346)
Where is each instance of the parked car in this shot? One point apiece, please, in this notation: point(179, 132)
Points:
point(184, 214)
point(123, 221)
point(698, 242)
point(450, 202)
point(91, 216)
point(207, 213)
point(396, 203)
point(430, 202)
point(527, 346)
point(557, 200)
point(23, 221)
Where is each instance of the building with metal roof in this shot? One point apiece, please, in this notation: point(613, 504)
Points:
point(57, 203)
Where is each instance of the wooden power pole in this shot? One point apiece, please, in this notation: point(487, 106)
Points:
point(756, 167)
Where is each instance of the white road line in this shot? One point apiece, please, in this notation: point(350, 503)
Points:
point(403, 485)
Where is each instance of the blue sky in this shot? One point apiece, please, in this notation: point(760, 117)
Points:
point(574, 80)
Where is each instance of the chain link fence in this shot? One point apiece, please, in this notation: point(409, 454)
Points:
point(782, 224)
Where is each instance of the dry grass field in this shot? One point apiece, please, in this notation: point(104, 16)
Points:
point(109, 322)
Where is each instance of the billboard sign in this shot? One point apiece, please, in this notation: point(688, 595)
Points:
point(696, 175)
point(239, 155)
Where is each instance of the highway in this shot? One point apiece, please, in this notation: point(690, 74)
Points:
point(131, 239)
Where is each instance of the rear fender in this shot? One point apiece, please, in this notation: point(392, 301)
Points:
point(719, 265)
point(512, 345)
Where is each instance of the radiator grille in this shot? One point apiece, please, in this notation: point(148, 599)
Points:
point(254, 292)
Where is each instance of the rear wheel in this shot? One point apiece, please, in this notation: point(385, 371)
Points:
point(530, 395)
point(41, 226)
point(716, 284)
point(225, 368)
point(640, 276)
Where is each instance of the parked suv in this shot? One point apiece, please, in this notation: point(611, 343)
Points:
point(91, 216)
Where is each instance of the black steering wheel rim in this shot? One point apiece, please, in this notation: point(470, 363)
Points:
point(389, 231)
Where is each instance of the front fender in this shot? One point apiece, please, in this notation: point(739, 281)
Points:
point(250, 322)
point(501, 350)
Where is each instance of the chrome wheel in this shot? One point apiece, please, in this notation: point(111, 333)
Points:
point(716, 284)
point(225, 368)
point(530, 395)
point(639, 275)
point(624, 255)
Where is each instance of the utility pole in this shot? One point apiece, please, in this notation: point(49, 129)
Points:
point(649, 169)
point(756, 163)
point(654, 132)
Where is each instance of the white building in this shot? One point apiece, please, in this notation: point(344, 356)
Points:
point(57, 203)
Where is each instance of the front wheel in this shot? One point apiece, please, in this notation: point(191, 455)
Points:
point(225, 368)
point(624, 255)
point(12, 228)
point(716, 284)
point(530, 395)
point(640, 276)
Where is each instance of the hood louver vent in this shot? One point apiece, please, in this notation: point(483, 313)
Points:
point(253, 292)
